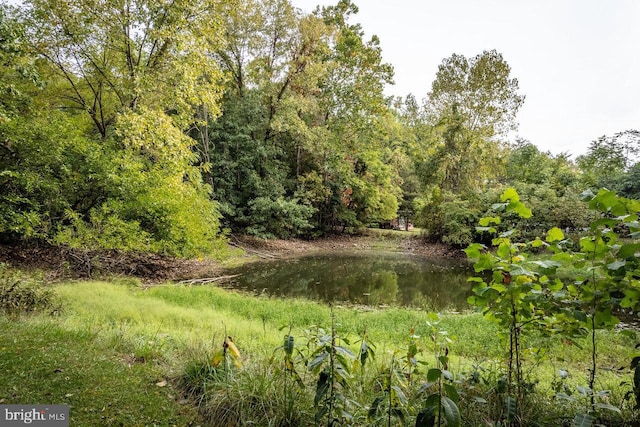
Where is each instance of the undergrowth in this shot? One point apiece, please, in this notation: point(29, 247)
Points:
point(21, 294)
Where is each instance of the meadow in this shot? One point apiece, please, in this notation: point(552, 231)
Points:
point(120, 353)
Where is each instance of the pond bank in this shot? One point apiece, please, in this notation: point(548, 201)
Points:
point(386, 240)
point(60, 263)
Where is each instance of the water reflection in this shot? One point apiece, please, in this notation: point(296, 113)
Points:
point(363, 278)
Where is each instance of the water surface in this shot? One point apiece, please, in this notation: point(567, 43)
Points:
point(371, 278)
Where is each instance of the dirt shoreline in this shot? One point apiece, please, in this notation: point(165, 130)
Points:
point(59, 263)
point(410, 244)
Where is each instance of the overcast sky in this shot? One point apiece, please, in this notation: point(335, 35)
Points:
point(577, 61)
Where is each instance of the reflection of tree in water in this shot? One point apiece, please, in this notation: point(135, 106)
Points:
point(362, 278)
point(437, 288)
point(383, 288)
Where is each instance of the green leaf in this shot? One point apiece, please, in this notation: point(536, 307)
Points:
point(451, 412)
point(537, 243)
point(629, 251)
point(604, 318)
point(603, 222)
point(288, 345)
point(345, 352)
point(426, 386)
point(322, 387)
point(507, 233)
point(473, 251)
point(400, 394)
point(488, 220)
point(562, 257)
point(433, 374)
point(608, 407)
point(510, 405)
point(584, 390)
point(510, 194)
point(504, 250)
point(582, 420)
point(477, 301)
point(566, 397)
point(554, 235)
point(485, 262)
point(587, 195)
point(546, 264)
point(616, 265)
point(555, 286)
point(520, 209)
point(604, 200)
point(317, 361)
point(373, 410)
point(452, 392)
point(426, 417)
point(519, 270)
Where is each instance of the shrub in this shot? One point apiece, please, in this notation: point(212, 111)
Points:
point(19, 295)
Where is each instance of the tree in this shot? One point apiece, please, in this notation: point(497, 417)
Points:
point(104, 162)
point(18, 72)
point(479, 89)
point(353, 113)
point(116, 55)
point(629, 184)
point(300, 145)
point(472, 104)
point(609, 158)
point(255, 147)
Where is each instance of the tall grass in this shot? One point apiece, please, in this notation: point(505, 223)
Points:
point(116, 341)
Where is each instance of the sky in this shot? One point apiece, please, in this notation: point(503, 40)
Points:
point(576, 61)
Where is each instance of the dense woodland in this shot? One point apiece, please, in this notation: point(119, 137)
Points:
point(160, 126)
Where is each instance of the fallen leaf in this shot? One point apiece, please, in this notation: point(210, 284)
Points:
point(162, 383)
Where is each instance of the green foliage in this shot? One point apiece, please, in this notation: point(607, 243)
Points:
point(392, 400)
point(18, 73)
point(154, 200)
point(20, 295)
point(449, 218)
point(332, 363)
point(174, 331)
point(629, 184)
point(150, 55)
point(441, 406)
point(482, 89)
point(609, 158)
point(99, 160)
point(300, 146)
point(524, 296)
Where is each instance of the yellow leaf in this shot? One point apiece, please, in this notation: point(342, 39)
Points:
point(218, 357)
point(233, 349)
point(235, 353)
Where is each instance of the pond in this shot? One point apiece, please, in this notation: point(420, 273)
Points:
point(369, 278)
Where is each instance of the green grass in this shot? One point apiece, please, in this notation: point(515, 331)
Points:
point(45, 362)
point(113, 342)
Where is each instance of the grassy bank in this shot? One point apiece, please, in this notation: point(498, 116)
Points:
point(122, 354)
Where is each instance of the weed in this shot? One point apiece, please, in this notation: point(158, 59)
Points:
point(332, 362)
point(23, 295)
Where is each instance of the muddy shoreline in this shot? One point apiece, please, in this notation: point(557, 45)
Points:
point(60, 263)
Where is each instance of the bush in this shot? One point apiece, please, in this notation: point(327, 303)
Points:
point(19, 295)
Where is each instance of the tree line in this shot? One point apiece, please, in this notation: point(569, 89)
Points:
point(162, 126)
